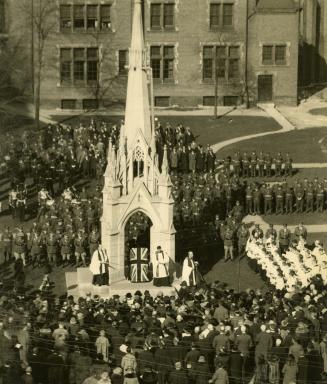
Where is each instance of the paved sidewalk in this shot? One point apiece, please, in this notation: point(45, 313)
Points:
point(270, 110)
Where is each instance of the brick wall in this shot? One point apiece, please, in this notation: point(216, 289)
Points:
point(190, 34)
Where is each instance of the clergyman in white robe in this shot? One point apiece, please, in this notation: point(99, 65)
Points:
point(161, 268)
point(100, 266)
point(188, 272)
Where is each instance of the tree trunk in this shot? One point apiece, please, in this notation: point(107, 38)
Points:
point(216, 93)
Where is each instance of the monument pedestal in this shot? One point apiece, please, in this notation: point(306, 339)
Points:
point(79, 284)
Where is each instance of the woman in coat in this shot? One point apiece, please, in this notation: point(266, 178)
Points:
point(290, 370)
point(220, 376)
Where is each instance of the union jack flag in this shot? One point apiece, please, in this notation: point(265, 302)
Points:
point(139, 261)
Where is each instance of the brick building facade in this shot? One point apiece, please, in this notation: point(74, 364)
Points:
point(247, 47)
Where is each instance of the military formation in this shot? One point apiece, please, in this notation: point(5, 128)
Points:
point(211, 195)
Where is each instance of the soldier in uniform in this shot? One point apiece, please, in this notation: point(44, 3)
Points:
point(94, 241)
point(52, 249)
point(268, 164)
point(228, 243)
point(279, 200)
point(320, 198)
point(300, 231)
point(309, 195)
point(13, 202)
point(80, 248)
point(253, 164)
point(183, 165)
point(35, 244)
point(249, 200)
point(192, 161)
point(6, 244)
point(21, 203)
point(284, 238)
point(278, 165)
point(289, 200)
point(243, 235)
point(271, 232)
point(228, 196)
point(261, 164)
point(195, 209)
point(257, 232)
point(66, 249)
point(236, 162)
point(19, 246)
point(288, 166)
point(256, 201)
point(245, 165)
point(299, 198)
point(267, 195)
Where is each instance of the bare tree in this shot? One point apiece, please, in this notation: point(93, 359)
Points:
point(41, 16)
point(107, 72)
point(220, 40)
point(14, 80)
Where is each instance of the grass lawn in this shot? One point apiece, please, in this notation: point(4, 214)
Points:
point(206, 129)
point(15, 125)
point(319, 111)
point(303, 145)
point(296, 218)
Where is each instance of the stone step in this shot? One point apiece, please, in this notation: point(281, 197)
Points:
point(84, 276)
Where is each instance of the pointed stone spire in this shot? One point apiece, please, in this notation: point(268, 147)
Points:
point(137, 113)
point(164, 166)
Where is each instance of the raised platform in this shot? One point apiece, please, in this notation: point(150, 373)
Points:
point(79, 284)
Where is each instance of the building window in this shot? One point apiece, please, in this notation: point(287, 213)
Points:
point(230, 101)
point(168, 63)
point(227, 15)
point(68, 104)
point(214, 15)
point(221, 61)
point(90, 104)
point(221, 15)
point(208, 62)
point(280, 54)
point(92, 16)
point(274, 54)
point(162, 62)
point(65, 66)
point(105, 19)
point(92, 65)
point(208, 101)
point(79, 20)
point(267, 54)
point(79, 65)
point(156, 62)
point(169, 12)
point(162, 101)
point(81, 17)
point(65, 17)
point(122, 62)
point(162, 16)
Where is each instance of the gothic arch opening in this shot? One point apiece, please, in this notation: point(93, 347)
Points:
point(137, 235)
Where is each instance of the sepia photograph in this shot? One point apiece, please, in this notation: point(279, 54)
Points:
point(163, 191)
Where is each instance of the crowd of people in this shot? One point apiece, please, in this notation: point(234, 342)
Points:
point(198, 335)
point(204, 334)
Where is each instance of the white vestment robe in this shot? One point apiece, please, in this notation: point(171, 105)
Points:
point(96, 266)
point(188, 272)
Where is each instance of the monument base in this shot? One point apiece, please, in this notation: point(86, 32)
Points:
point(79, 284)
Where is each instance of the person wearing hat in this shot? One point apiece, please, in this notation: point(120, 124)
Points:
point(178, 375)
point(161, 268)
